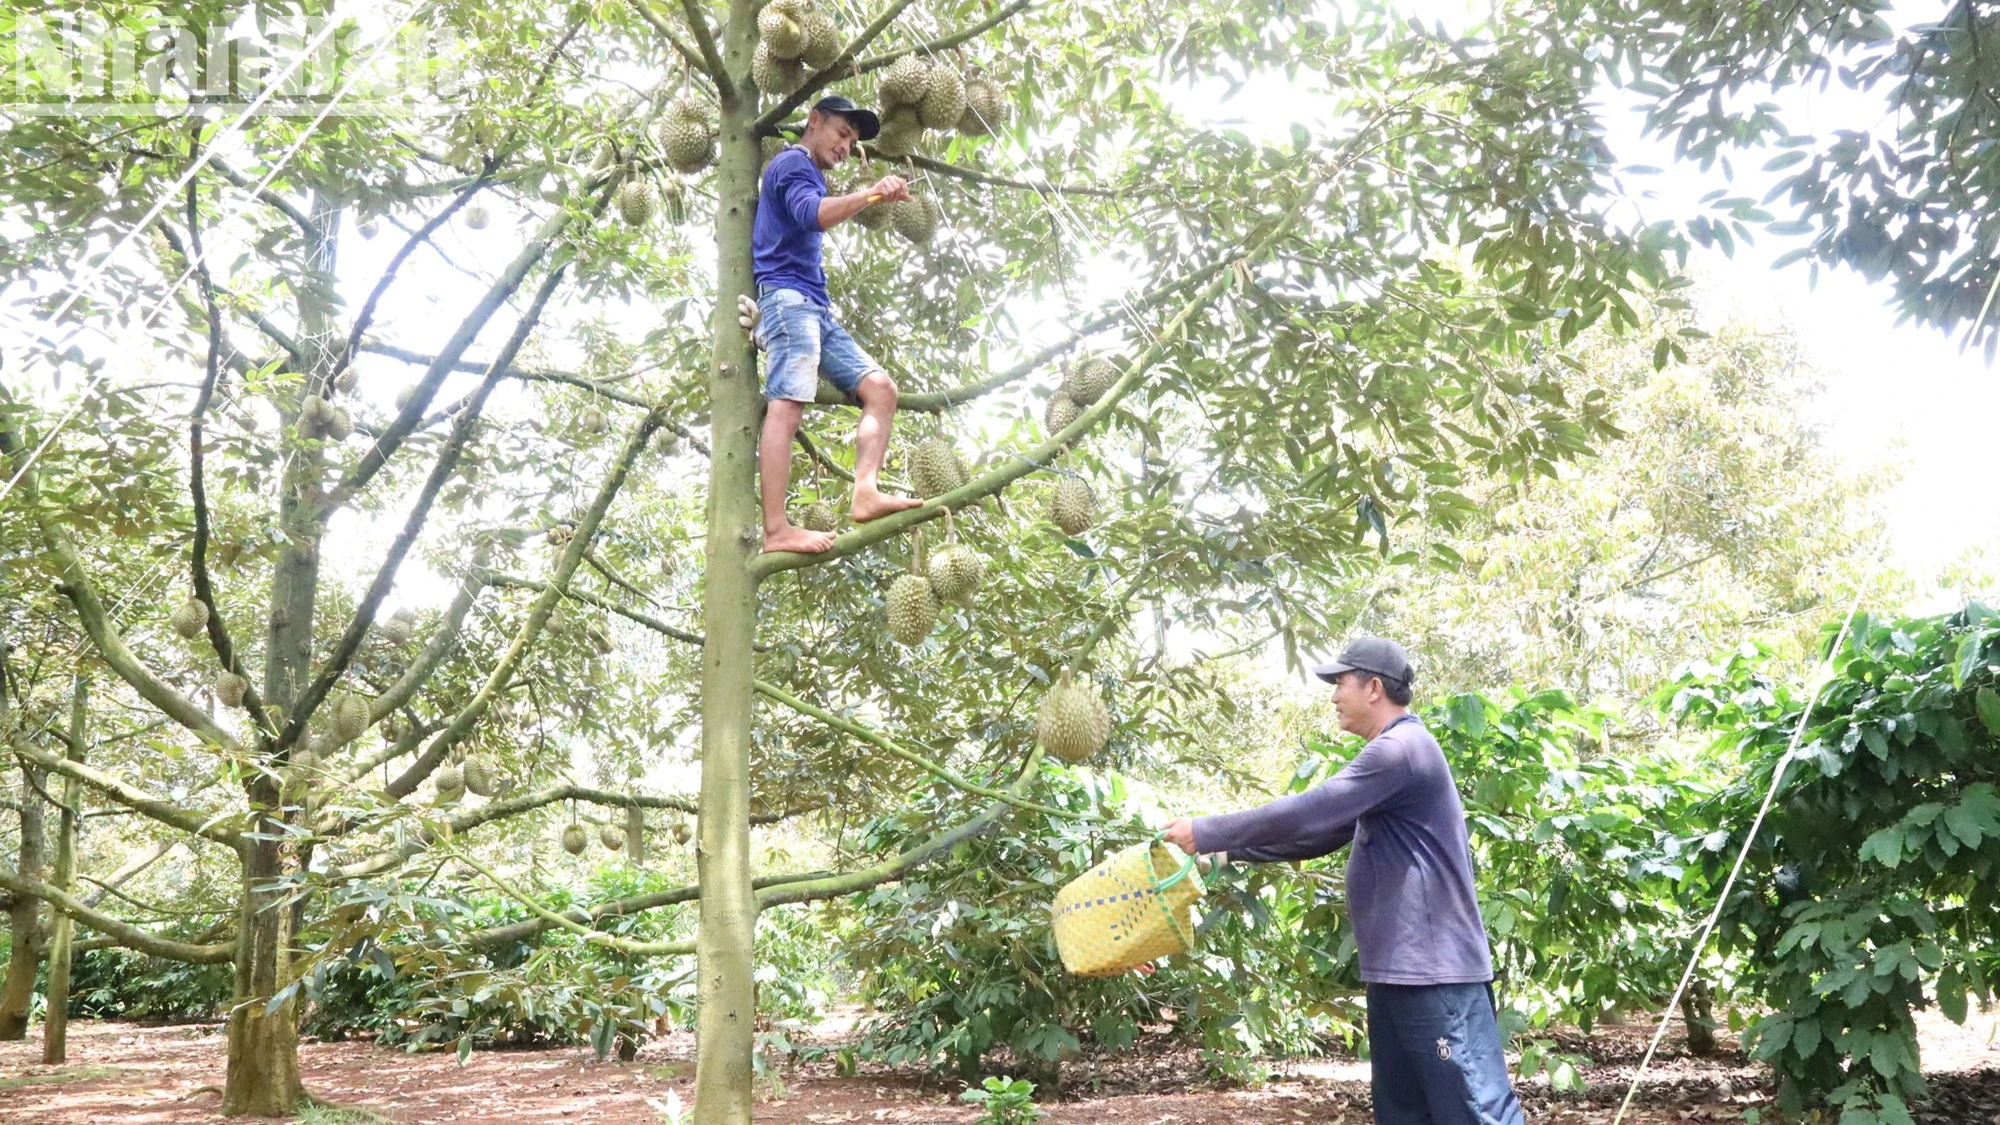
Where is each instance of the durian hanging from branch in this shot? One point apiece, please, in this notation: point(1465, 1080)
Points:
point(794, 38)
point(912, 607)
point(686, 134)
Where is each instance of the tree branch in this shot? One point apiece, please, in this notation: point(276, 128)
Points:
point(123, 932)
point(834, 886)
point(975, 176)
point(765, 565)
point(882, 742)
point(594, 937)
point(421, 236)
point(166, 812)
point(442, 642)
point(276, 201)
point(204, 590)
point(531, 629)
point(838, 68)
point(704, 37)
point(647, 620)
point(462, 337)
point(939, 401)
point(441, 472)
point(104, 637)
point(944, 42)
point(665, 30)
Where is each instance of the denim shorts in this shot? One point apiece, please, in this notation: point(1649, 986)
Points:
point(1435, 1055)
point(803, 345)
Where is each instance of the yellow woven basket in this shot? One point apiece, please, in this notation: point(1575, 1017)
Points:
point(1133, 908)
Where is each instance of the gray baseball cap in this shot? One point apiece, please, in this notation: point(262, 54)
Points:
point(1373, 655)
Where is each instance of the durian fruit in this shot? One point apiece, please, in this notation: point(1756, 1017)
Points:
point(956, 572)
point(450, 783)
point(987, 109)
point(575, 839)
point(673, 203)
point(230, 688)
point(1092, 376)
point(1073, 723)
point(918, 218)
point(943, 102)
point(935, 468)
point(1061, 411)
point(902, 128)
point(1072, 506)
point(344, 382)
point(611, 836)
point(775, 75)
point(906, 81)
point(338, 424)
point(604, 157)
point(875, 216)
point(404, 396)
point(912, 606)
point(822, 40)
point(314, 416)
point(400, 627)
point(591, 420)
point(190, 617)
point(599, 638)
point(368, 229)
point(350, 716)
point(635, 200)
point(771, 146)
point(780, 31)
point(819, 516)
point(686, 135)
point(682, 833)
point(477, 773)
point(477, 216)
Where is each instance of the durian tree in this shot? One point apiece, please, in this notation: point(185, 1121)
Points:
point(1156, 371)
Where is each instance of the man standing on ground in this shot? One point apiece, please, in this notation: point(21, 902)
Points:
point(794, 318)
point(1434, 1042)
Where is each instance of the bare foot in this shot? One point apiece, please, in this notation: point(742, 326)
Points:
point(873, 504)
point(792, 538)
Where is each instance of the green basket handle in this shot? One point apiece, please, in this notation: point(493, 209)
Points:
point(1187, 868)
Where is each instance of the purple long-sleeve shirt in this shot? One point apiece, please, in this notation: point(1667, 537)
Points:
point(1409, 874)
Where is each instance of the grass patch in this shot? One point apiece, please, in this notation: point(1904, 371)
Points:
point(669, 1072)
point(58, 1077)
point(316, 1114)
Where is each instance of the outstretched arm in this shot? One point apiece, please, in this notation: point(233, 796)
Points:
point(837, 209)
point(1302, 826)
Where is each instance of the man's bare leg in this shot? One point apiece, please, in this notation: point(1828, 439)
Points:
point(774, 478)
point(871, 443)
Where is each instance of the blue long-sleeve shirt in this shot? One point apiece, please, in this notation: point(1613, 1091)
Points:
point(1409, 873)
point(785, 239)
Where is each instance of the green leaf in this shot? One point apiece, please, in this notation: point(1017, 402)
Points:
point(1951, 994)
point(1884, 847)
point(465, 1048)
point(1988, 703)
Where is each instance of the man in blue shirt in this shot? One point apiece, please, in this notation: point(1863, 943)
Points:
point(1434, 1043)
point(794, 319)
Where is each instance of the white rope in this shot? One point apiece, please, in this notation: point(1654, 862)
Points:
point(1750, 837)
point(89, 281)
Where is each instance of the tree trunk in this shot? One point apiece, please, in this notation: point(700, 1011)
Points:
point(1698, 1013)
point(726, 1016)
point(17, 995)
point(55, 1022)
point(263, 1076)
point(635, 835)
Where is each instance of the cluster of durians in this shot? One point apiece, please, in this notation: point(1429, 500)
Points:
point(916, 218)
point(920, 93)
point(1084, 382)
point(794, 38)
point(475, 774)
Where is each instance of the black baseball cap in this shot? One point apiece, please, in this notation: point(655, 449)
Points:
point(864, 120)
point(1372, 655)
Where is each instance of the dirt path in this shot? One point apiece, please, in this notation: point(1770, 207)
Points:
point(128, 1074)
